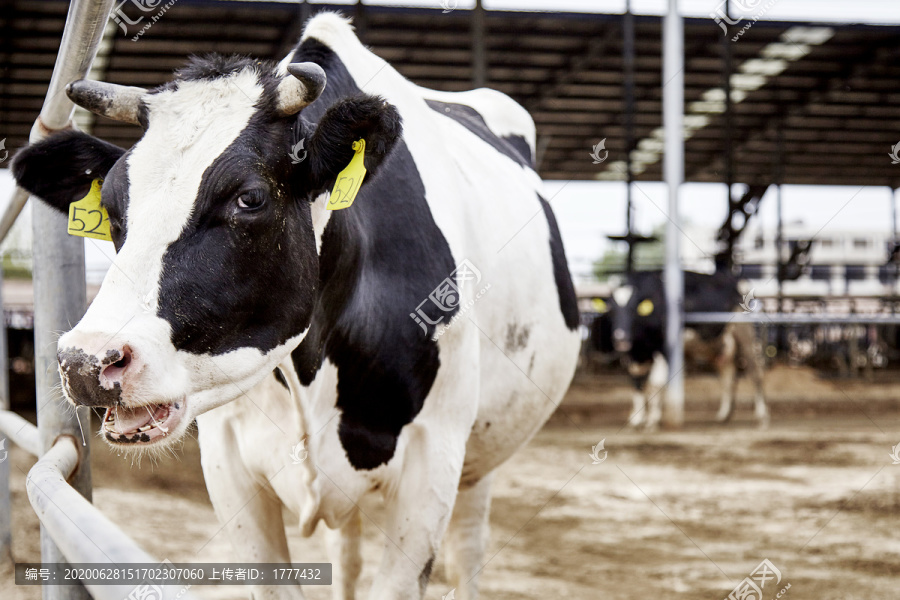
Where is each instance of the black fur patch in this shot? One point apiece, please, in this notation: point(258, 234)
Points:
point(380, 259)
point(513, 146)
point(81, 377)
point(425, 575)
point(279, 377)
point(60, 169)
point(250, 278)
point(568, 303)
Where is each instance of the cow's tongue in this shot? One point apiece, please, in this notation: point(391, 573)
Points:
point(129, 420)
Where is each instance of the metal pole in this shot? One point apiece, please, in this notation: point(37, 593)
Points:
point(360, 21)
point(628, 60)
point(892, 267)
point(479, 56)
point(59, 286)
point(727, 138)
point(5, 499)
point(792, 318)
point(673, 121)
point(779, 234)
point(20, 432)
point(84, 532)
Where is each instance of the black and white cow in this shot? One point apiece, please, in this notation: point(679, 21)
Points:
point(638, 314)
point(229, 267)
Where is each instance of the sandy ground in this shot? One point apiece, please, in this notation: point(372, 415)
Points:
point(683, 514)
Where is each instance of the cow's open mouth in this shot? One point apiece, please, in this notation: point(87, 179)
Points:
point(142, 424)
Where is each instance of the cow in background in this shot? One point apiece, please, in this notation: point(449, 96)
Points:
point(638, 313)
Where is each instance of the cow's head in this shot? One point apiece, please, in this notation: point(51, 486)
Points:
point(638, 318)
point(213, 220)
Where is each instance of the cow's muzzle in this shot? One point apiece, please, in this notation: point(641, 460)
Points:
point(95, 380)
point(100, 380)
point(621, 341)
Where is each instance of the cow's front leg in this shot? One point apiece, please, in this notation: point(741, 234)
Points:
point(756, 365)
point(343, 547)
point(419, 504)
point(467, 538)
point(255, 526)
point(656, 387)
point(638, 373)
point(727, 367)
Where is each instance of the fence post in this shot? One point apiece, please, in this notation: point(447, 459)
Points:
point(673, 120)
point(58, 275)
point(5, 496)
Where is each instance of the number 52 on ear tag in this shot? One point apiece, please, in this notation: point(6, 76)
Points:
point(349, 180)
point(87, 218)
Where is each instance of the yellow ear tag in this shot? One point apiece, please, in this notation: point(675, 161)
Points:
point(349, 180)
point(645, 308)
point(87, 218)
point(599, 305)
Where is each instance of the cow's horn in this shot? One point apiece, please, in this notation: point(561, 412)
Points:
point(118, 102)
point(302, 89)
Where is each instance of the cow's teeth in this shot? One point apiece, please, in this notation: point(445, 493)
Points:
point(145, 428)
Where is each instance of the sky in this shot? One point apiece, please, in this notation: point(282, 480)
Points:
point(589, 211)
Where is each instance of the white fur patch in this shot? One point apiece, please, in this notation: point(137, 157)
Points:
point(659, 373)
point(320, 217)
point(623, 294)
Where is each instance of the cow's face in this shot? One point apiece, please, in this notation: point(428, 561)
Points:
point(216, 272)
point(638, 320)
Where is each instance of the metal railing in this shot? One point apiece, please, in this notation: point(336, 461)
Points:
point(764, 318)
point(59, 485)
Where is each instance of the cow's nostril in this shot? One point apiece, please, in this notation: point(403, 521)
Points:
point(123, 362)
point(115, 372)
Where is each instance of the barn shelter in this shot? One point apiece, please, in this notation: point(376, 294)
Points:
point(809, 103)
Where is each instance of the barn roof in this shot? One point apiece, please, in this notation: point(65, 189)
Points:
point(814, 104)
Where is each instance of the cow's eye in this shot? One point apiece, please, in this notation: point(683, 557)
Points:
point(251, 200)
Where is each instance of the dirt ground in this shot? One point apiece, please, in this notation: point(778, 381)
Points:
point(684, 514)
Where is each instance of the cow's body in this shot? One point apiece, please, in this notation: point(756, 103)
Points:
point(639, 324)
point(385, 396)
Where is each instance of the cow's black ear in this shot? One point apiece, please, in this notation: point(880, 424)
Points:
point(60, 169)
point(361, 117)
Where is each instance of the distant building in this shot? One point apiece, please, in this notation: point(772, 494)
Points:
point(840, 262)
